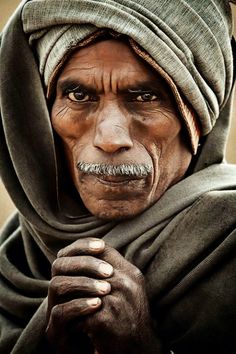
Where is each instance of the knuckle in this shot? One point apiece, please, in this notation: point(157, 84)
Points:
point(56, 285)
point(53, 284)
point(57, 313)
point(115, 306)
point(123, 282)
point(85, 261)
point(112, 255)
point(101, 319)
point(138, 275)
point(129, 284)
point(56, 266)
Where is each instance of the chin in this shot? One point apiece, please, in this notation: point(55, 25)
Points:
point(115, 213)
point(114, 216)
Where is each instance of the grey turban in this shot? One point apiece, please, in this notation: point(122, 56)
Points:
point(187, 41)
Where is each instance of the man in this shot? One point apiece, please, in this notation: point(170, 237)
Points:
point(114, 118)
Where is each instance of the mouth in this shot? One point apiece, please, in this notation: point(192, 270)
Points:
point(113, 188)
point(117, 180)
point(120, 179)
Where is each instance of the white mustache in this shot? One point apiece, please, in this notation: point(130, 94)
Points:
point(130, 169)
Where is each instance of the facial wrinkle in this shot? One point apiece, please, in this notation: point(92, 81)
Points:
point(108, 82)
point(114, 82)
point(65, 109)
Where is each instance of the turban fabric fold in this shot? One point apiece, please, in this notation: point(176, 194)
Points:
point(185, 243)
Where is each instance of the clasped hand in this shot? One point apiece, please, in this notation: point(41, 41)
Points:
point(97, 301)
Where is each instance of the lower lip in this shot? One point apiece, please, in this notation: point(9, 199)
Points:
point(109, 188)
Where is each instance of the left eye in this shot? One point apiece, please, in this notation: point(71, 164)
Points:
point(79, 96)
point(146, 97)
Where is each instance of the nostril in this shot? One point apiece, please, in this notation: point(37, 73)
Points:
point(111, 148)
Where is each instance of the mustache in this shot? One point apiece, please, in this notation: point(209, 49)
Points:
point(124, 169)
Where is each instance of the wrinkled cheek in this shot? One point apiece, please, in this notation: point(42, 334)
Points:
point(155, 153)
point(163, 173)
point(165, 169)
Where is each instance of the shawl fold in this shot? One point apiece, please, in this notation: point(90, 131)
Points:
point(184, 244)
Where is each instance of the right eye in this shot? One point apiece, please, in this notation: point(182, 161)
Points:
point(79, 96)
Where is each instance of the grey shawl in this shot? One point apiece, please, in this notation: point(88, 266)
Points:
point(184, 244)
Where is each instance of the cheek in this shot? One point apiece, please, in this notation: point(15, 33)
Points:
point(74, 132)
point(159, 134)
point(64, 126)
point(160, 125)
point(68, 124)
point(171, 155)
point(174, 161)
point(168, 130)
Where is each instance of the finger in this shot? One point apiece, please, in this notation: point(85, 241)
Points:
point(62, 314)
point(61, 288)
point(82, 247)
point(113, 257)
point(81, 265)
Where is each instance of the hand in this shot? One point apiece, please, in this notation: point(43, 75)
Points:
point(95, 293)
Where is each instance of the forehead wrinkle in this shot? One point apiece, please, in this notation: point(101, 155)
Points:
point(119, 79)
point(109, 78)
point(69, 68)
point(103, 80)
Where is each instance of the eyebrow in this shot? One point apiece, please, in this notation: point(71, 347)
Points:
point(69, 84)
point(140, 86)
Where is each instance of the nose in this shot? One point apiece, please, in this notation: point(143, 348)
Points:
point(112, 131)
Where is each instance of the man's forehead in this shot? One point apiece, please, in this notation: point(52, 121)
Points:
point(109, 54)
point(111, 59)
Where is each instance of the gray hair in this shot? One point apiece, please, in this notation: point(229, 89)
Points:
point(129, 169)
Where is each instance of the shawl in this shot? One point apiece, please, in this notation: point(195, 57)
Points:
point(184, 244)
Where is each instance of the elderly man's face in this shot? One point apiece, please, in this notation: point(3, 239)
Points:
point(120, 130)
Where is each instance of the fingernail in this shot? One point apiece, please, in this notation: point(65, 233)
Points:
point(103, 286)
point(96, 245)
point(93, 302)
point(106, 269)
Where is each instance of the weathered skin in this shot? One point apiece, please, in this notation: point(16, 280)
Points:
point(94, 290)
point(102, 122)
point(110, 108)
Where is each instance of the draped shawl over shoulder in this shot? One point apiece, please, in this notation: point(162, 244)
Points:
point(184, 244)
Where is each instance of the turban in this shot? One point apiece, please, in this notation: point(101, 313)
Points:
point(195, 57)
